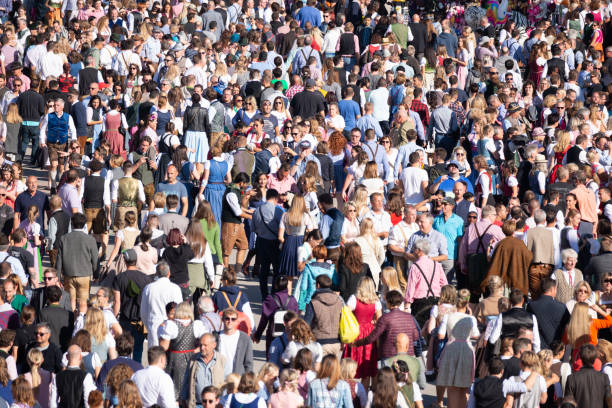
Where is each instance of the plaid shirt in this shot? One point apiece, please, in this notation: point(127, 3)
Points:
point(420, 108)
point(459, 112)
point(290, 93)
point(319, 396)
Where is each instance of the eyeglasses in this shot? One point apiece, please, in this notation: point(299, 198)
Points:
point(493, 73)
point(582, 291)
point(460, 154)
point(249, 103)
point(41, 334)
point(230, 319)
point(48, 278)
point(472, 217)
point(385, 142)
point(294, 134)
point(560, 107)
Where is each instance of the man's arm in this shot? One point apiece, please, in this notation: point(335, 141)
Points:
point(381, 327)
point(185, 204)
point(116, 302)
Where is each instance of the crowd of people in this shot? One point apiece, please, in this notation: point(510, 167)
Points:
point(440, 181)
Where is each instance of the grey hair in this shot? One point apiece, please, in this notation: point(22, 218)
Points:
point(539, 216)
point(44, 325)
point(487, 211)
point(428, 216)
point(568, 253)
point(531, 150)
point(422, 245)
point(59, 100)
point(206, 305)
point(163, 270)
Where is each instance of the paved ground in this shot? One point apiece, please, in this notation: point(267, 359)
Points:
point(251, 287)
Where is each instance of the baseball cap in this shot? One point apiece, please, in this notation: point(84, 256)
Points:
point(130, 256)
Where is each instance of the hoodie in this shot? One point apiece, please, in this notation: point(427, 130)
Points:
point(323, 315)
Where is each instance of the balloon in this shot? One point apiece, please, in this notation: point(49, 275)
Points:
point(497, 11)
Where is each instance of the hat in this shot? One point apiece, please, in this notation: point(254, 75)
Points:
point(115, 37)
point(448, 200)
point(130, 255)
point(309, 83)
point(453, 163)
point(157, 30)
point(513, 108)
point(304, 144)
point(484, 40)
point(537, 132)
point(540, 158)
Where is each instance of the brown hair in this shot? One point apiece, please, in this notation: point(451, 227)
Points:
point(21, 390)
point(128, 395)
point(353, 258)
point(204, 212)
point(330, 369)
point(319, 252)
point(195, 238)
point(116, 376)
point(248, 383)
point(300, 331)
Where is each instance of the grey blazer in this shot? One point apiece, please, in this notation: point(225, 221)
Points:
point(243, 359)
point(77, 254)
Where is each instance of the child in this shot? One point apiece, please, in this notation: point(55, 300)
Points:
point(303, 364)
point(287, 396)
point(33, 231)
point(348, 368)
point(265, 379)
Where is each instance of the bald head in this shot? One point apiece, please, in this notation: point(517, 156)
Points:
point(74, 355)
point(402, 342)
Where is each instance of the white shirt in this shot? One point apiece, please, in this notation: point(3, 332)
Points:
point(382, 222)
point(88, 386)
point(412, 178)
point(51, 64)
point(170, 330)
point(115, 190)
point(16, 266)
point(570, 277)
point(400, 234)
point(294, 346)
point(155, 387)
point(43, 128)
point(227, 347)
point(401, 402)
point(155, 297)
point(497, 332)
point(379, 98)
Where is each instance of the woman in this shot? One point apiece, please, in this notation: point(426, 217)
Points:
point(351, 270)
point(460, 156)
point(115, 377)
point(181, 337)
point(13, 125)
point(456, 371)
point(354, 172)
point(230, 295)
point(367, 309)
point(178, 253)
point(463, 57)
point(39, 378)
point(25, 335)
point(488, 309)
point(91, 362)
point(14, 186)
point(339, 156)
point(560, 149)
point(102, 342)
point(247, 394)
point(211, 230)
point(300, 337)
point(146, 255)
point(334, 121)
point(194, 124)
point(306, 284)
point(280, 111)
point(114, 120)
point(387, 394)
point(425, 280)
point(605, 294)
point(582, 329)
point(484, 182)
point(279, 300)
point(350, 226)
point(304, 253)
point(217, 174)
point(372, 250)
point(246, 114)
point(266, 380)
point(328, 390)
point(294, 224)
point(23, 395)
point(164, 114)
point(582, 293)
point(372, 182)
point(128, 395)
point(126, 237)
point(287, 395)
point(5, 382)
point(94, 120)
point(568, 276)
point(200, 268)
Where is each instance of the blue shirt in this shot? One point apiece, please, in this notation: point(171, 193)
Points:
point(448, 184)
point(368, 122)
point(436, 240)
point(309, 14)
point(25, 200)
point(277, 347)
point(451, 229)
point(349, 111)
point(178, 189)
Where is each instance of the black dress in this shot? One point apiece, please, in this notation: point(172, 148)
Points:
point(348, 281)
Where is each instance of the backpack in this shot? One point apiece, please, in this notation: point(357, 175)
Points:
point(244, 323)
point(278, 321)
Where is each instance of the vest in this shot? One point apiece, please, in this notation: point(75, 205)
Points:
point(556, 64)
point(118, 23)
point(70, 388)
point(227, 214)
point(57, 128)
point(262, 162)
point(335, 230)
point(127, 192)
point(62, 220)
point(347, 44)
point(488, 393)
point(531, 398)
point(513, 320)
point(217, 124)
point(564, 292)
point(87, 76)
point(144, 174)
point(243, 162)
point(573, 155)
point(93, 195)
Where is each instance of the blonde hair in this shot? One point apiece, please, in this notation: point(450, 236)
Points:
point(296, 212)
point(545, 356)
point(605, 350)
point(529, 359)
point(448, 295)
point(578, 328)
point(366, 291)
point(95, 324)
point(267, 369)
point(563, 140)
point(184, 311)
point(12, 114)
point(348, 368)
point(463, 298)
point(35, 360)
point(289, 379)
point(360, 199)
point(231, 383)
point(388, 275)
point(367, 229)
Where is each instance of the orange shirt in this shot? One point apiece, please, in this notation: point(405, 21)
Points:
point(587, 204)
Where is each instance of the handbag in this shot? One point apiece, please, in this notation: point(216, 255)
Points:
point(349, 326)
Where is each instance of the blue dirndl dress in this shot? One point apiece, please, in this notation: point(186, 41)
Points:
point(213, 193)
point(339, 171)
point(294, 238)
point(162, 120)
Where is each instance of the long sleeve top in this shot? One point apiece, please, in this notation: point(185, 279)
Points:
point(213, 237)
point(416, 287)
point(388, 327)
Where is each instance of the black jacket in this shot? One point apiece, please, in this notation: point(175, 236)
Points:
point(552, 318)
point(348, 281)
point(31, 106)
point(61, 322)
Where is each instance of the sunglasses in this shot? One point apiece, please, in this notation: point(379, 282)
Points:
point(607, 281)
point(48, 278)
point(385, 142)
point(294, 134)
point(41, 334)
point(230, 319)
point(472, 217)
point(238, 100)
point(249, 103)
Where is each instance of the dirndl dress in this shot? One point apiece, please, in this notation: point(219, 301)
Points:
point(113, 136)
point(339, 171)
point(457, 362)
point(294, 238)
point(198, 141)
point(180, 351)
point(365, 356)
point(213, 193)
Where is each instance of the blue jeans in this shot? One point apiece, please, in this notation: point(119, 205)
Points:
point(138, 336)
point(349, 63)
point(28, 133)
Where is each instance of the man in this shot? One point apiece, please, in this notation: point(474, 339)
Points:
point(462, 207)
point(279, 344)
point(154, 384)
point(71, 387)
point(59, 224)
point(172, 219)
point(377, 154)
point(588, 387)
point(540, 242)
point(127, 292)
point(207, 315)
point(7, 214)
point(302, 55)
point(244, 160)
point(414, 179)
point(509, 322)
point(308, 102)
point(488, 392)
point(39, 297)
point(447, 39)
point(127, 193)
point(443, 126)
point(561, 186)
point(155, 296)
point(398, 241)
point(587, 204)
point(144, 164)
point(309, 14)
point(380, 217)
point(379, 97)
point(234, 209)
point(450, 225)
point(59, 319)
point(556, 64)
point(173, 186)
point(78, 113)
point(600, 264)
point(323, 315)
point(9, 318)
point(419, 34)
point(330, 226)
point(528, 388)
point(390, 325)
point(19, 240)
point(56, 128)
point(577, 154)
point(31, 109)
point(417, 370)
point(552, 314)
point(11, 261)
point(97, 203)
point(368, 121)
point(446, 183)
point(235, 345)
point(77, 260)
point(32, 196)
point(52, 354)
point(438, 250)
point(69, 193)
point(266, 222)
point(125, 346)
point(349, 109)
point(212, 15)
point(205, 368)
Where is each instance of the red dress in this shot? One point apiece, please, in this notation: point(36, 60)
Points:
point(365, 356)
point(535, 72)
point(113, 136)
point(558, 163)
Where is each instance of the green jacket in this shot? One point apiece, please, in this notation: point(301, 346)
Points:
point(213, 237)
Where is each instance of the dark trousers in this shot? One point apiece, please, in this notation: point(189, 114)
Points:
point(139, 338)
point(28, 133)
point(384, 126)
point(267, 255)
